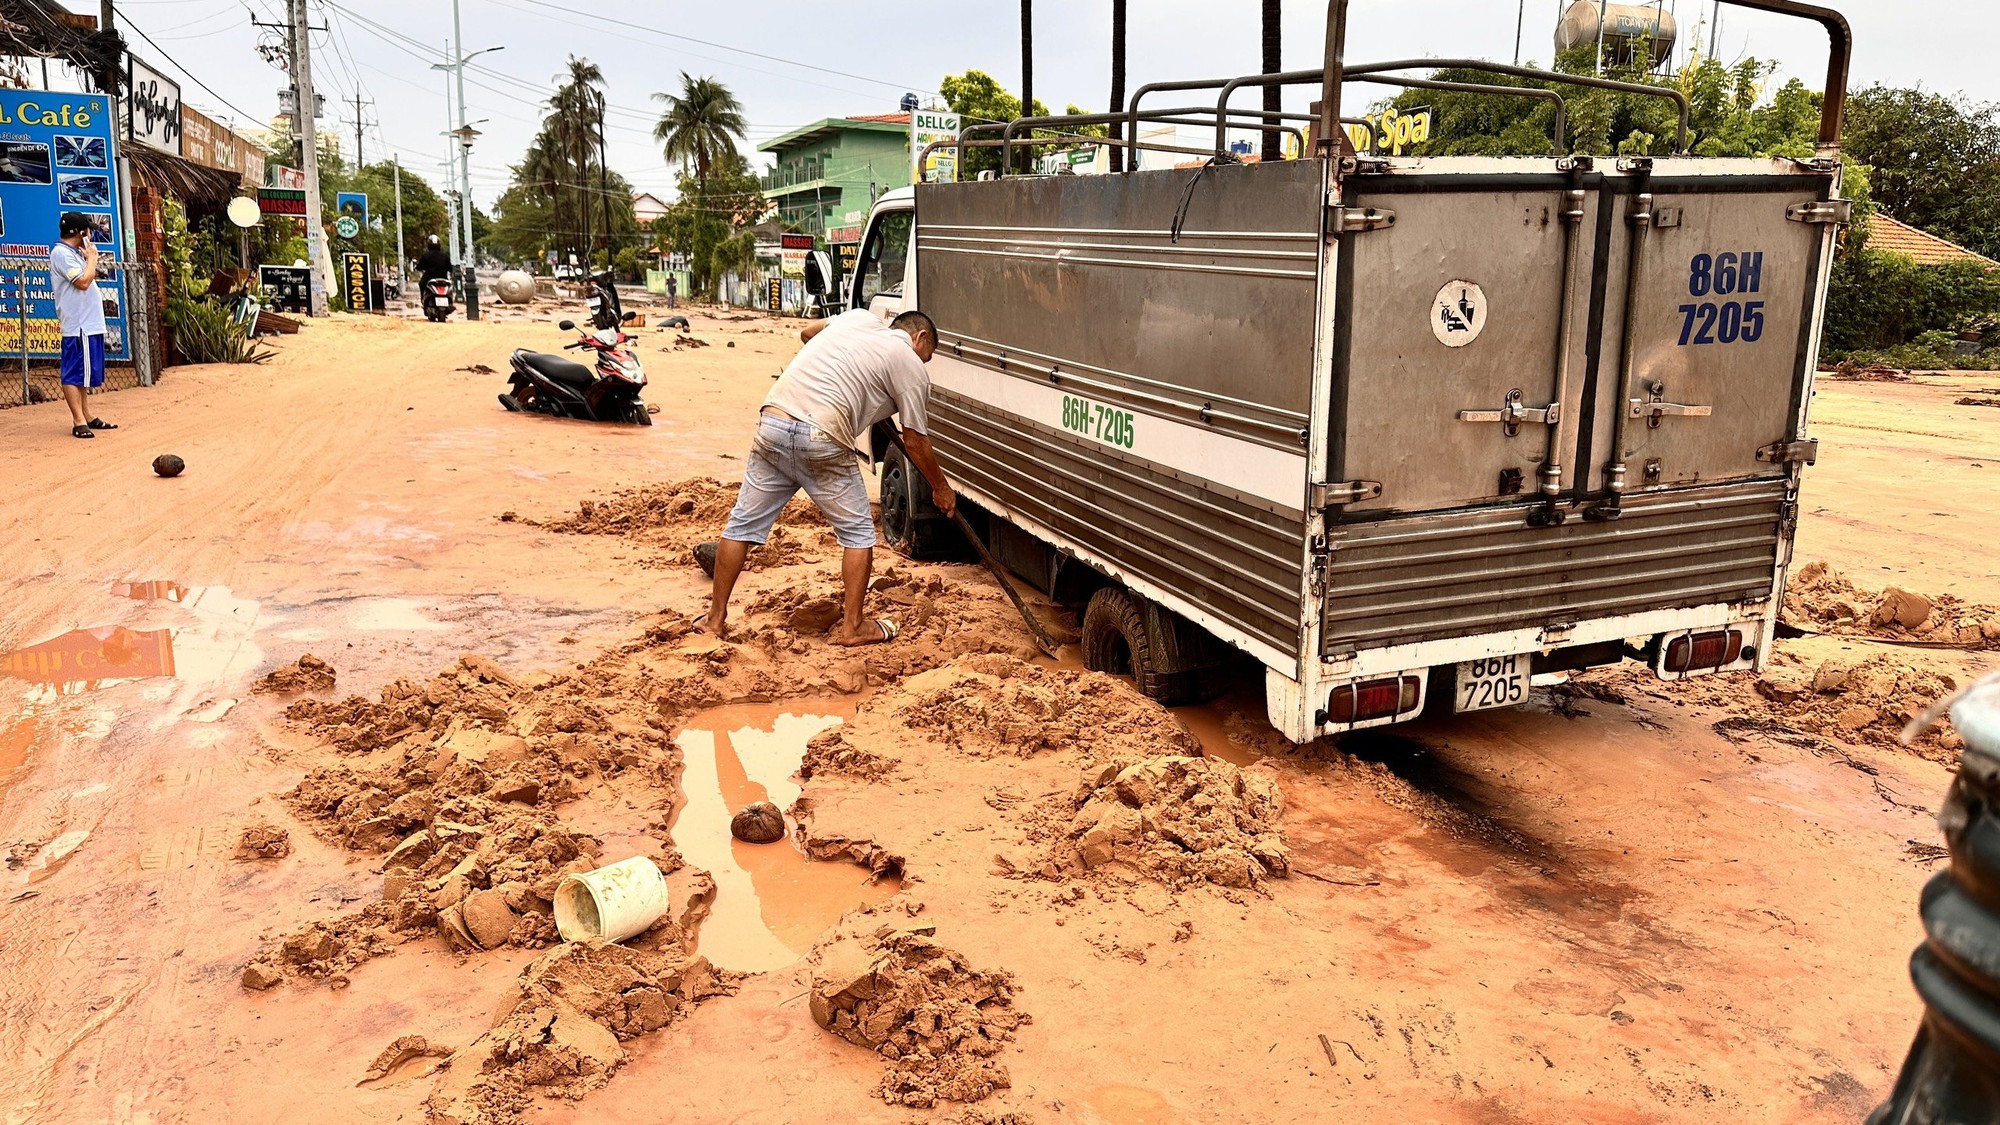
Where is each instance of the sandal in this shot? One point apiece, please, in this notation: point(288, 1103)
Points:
point(80, 431)
point(101, 424)
point(890, 631)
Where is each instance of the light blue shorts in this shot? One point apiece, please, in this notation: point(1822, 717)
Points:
point(789, 455)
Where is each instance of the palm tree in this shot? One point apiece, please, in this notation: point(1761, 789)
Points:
point(1118, 84)
point(700, 125)
point(1028, 59)
point(575, 122)
point(1274, 95)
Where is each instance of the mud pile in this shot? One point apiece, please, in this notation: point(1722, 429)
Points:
point(1858, 700)
point(309, 673)
point(1823, 600)
point(1178, 819)
point(939, 621)
point(676, 516)
point(579, 1003)
point(938, 1021)
point(481, 887)
point(993, 704)
point(263, 841)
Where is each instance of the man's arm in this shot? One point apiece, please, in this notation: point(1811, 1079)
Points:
point(809, 331)
point(925, 458)
point(88, 277)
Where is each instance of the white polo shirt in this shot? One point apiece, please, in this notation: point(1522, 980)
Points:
point(854, 373)
point(79, 311)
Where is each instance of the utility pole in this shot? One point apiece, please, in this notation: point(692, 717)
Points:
point(450, 167)
point(359, 163)
point(309, 144)
point(465, 133)
point(402, 259)
point(109, 79)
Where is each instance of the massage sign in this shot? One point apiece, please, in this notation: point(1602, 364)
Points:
point(57, 154)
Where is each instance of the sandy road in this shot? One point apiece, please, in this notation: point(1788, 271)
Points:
point(1612, 914)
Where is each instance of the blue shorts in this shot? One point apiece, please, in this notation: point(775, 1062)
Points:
point(82, 355)
point(790, 455)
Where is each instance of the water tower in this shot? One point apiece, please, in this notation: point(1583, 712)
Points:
point(1628, 29)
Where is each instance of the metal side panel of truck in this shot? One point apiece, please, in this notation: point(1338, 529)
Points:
point(1467, 408)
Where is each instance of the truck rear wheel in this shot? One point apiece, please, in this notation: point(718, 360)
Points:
point(1115, 640)
point(910, 522)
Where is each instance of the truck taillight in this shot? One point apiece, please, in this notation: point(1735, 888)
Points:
point(1697, 651)
point(1373, 699)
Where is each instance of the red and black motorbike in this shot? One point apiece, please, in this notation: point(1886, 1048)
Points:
point(606, 392)
point(437, 299)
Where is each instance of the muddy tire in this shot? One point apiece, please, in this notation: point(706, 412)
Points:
point(1115, 641)
point(638, 415)
point(910, 522)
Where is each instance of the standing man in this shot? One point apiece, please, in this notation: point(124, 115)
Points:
point(80, 315)
point(673, 291)
point(855, 370)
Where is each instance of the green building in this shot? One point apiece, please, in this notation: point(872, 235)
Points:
point(827, 174)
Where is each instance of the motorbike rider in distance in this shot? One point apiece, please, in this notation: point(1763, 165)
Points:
point(434, 262)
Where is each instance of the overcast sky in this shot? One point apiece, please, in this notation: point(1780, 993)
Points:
point(869, 54)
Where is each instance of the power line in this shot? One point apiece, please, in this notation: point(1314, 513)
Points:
point(724, 46)
point(125, 20)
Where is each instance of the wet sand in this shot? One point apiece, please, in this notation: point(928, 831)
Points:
point(1584, 909)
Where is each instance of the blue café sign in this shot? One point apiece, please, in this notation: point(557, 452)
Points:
point(57, 154)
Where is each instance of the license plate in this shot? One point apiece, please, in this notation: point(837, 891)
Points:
point(1497, 681)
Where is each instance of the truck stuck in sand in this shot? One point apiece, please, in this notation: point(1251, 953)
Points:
point(1410, 432)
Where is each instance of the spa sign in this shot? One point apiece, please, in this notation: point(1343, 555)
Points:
point(56, 154)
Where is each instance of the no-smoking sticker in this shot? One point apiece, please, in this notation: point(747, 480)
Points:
point(1458, 315)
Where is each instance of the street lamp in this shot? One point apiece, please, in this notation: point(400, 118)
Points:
point(465, 133)
point(909, 104)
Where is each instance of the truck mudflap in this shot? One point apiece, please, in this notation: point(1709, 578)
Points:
point(1462, 574)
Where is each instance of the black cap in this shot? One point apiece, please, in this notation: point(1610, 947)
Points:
point(74, 223)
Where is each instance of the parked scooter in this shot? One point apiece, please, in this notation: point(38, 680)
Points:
point(437, 299)
point(550, 384)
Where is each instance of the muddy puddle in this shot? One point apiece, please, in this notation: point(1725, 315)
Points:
point(771, 902)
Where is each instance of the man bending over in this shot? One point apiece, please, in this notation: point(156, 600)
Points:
point(854, 371)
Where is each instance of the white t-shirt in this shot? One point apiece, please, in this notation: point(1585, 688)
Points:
point(80, 312)
point(854, 373)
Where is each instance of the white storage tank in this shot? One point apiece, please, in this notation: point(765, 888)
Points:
point(1626, 26)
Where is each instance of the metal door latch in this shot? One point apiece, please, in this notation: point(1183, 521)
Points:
point(1511, 414)
point(1826, 211)
point(1652, 408)
point(1356, 220)
point(1329, 493)
point(1786, 452)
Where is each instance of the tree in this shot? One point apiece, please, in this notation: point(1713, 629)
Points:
point(1274, 59)
point(1935, 161)
point(710, 221)
point(977, 98)
point(700, 125)
point(570, 134)
point(1028, 52)
point(1118, 79)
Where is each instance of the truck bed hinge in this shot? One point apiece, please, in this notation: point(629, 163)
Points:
point(1358, 220)
point(1785, 452)
point(1326, 494)
point(1823, 211)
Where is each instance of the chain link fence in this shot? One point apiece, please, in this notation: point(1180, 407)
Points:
point(27, 378)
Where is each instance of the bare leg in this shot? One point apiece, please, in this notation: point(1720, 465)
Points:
point(855, 565)
point(729, 557)
point(73, 398)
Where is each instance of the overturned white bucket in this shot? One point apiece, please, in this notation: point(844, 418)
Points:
point(614, 902)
